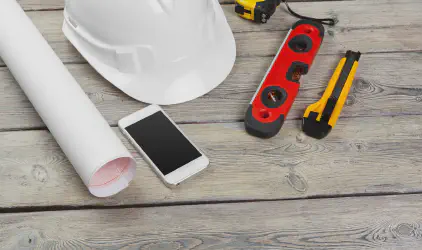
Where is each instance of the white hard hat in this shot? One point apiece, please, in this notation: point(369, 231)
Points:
point(156, 51)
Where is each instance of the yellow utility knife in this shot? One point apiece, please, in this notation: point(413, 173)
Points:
point(322, 116)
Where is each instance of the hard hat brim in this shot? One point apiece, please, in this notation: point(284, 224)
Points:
point(181, 82)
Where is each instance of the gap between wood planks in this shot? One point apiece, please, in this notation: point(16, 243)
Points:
point(388, 158)
point(272, 54)
point(54, 208)
point(44, 128)
point(352, 223)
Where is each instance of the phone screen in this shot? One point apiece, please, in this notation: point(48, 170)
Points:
point(164, 144)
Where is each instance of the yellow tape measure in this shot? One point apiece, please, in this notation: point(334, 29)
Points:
point(261, 10)
point(256, 10)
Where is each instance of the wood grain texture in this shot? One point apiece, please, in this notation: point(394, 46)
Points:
point(344, 11)
point(383, 86)
point(392, 222)
point(31, 5)
point(395, 30)
point(361, 156)
point(350, 14)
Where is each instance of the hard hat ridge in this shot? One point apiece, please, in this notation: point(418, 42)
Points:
point(182, 48)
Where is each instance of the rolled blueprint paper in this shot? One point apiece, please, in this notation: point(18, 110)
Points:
point(99, 157)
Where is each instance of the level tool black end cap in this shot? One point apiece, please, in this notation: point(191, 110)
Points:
point(259, 129)
point(315, 129)
point(317, 25)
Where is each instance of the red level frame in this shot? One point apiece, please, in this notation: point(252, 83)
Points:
point(274, 98)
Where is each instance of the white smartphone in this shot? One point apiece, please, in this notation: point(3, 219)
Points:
point(163, 145)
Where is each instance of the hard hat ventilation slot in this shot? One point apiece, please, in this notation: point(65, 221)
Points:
point(126, 62)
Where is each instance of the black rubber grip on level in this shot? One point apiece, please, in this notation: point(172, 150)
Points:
point(259, 129)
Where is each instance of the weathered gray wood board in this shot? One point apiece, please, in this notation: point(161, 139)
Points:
point(396, 29)
point(386, 84)
point(391, 10)
point(367, 40)
point(59, 4)
point(31, 5)
point(385, 13)
point(361, 156)
point(392, 222)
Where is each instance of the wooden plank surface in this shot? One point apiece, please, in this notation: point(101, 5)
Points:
point(392, 222)
point(350, 14)
point(265, 43)
point(31, 5)
point(344, 11)
point(361, 156)
point(381, 78)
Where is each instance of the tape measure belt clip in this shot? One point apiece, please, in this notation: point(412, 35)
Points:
point(239, 9)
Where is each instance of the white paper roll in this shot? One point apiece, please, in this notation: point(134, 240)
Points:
point(104, 164)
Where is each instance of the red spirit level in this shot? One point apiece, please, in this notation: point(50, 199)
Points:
point(274, 98)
